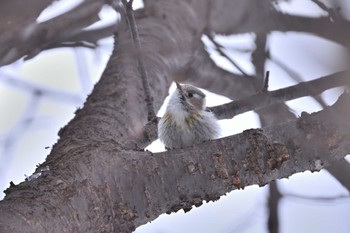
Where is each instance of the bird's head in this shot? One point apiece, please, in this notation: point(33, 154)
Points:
point(191, 95)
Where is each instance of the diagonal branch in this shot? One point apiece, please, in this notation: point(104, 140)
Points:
point(340, 170)
point(331, 12)
point(83, 38)
point(219, 48)
point(263, 99)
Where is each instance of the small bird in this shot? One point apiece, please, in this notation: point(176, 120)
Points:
point(186, 120)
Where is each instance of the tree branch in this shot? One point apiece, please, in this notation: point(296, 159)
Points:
point(83, 38)
point(263, 99)
point(266, 82)
point(331, 12)
point(34, 37)
point(340, 170)
point(318, 198)
point(273, 201)
point(251, 16)
point(259, 57)
point(222, 53)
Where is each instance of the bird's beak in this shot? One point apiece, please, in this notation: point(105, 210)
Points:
point(180, 91)
point(179, 87)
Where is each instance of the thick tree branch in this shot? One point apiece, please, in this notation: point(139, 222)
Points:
point(92, 36)
point(19, 14)
point(252, 16)
point(133, 188)
point(237, 23)
point(322, 27)
point(83, 38)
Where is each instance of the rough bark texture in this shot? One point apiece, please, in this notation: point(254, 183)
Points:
point(98, 183)
point(100, 187)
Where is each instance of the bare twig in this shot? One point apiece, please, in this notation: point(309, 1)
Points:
point(266, 82)
point(83, 38)
point(331, 12)
point(317, 199)
point(259, 57)
point(222, 53)
point(136, 40)
point(273, 114)
point(273, 202)
point(73, 45)
point(264, 99)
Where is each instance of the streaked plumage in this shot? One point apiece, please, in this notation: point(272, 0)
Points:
point(186, 122)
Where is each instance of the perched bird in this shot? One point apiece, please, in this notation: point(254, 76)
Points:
point(186, 120)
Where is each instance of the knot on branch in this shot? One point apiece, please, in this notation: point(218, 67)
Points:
point(261, 156)
point(220, 167)
point(281, 155)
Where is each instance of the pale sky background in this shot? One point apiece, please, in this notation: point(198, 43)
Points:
point(30, 123)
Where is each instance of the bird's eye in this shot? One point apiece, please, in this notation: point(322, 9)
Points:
point(190, 95)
